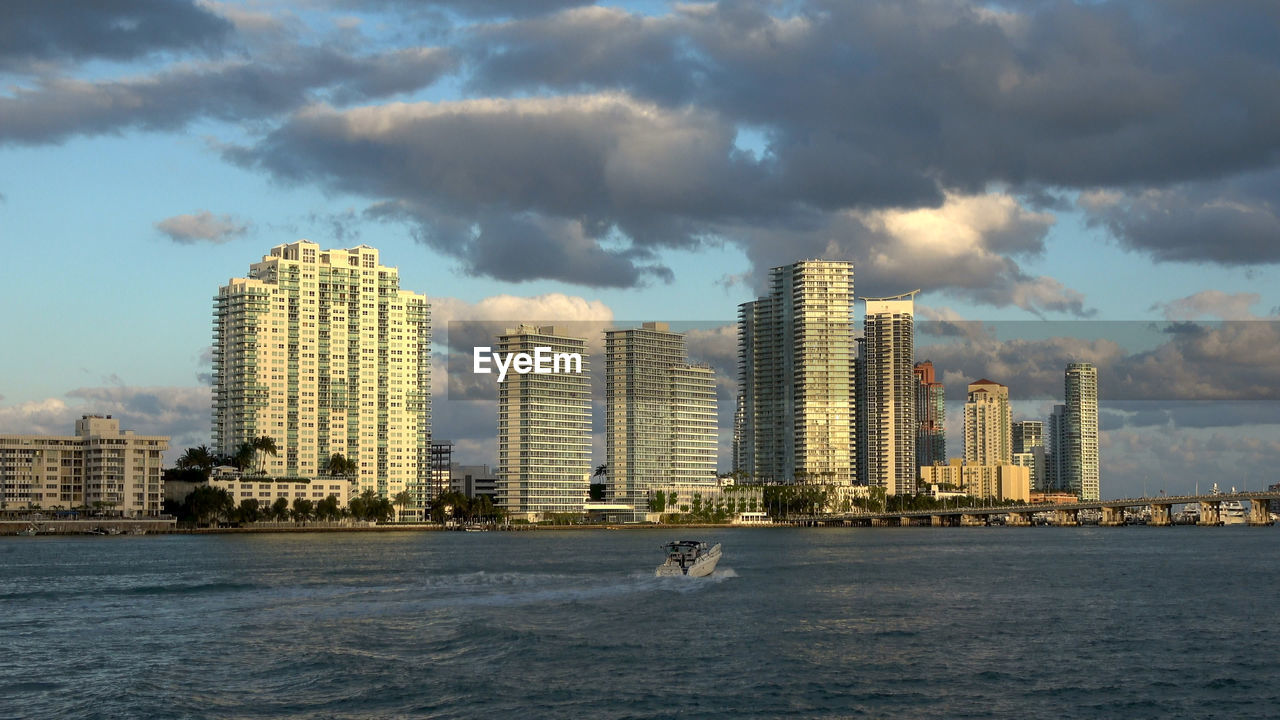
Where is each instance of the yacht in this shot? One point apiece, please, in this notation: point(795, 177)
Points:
point(694, 558)
point(1230, 512)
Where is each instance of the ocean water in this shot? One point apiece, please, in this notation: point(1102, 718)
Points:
point(858, 622)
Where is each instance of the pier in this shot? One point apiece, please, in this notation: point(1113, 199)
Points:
point(1114, 513)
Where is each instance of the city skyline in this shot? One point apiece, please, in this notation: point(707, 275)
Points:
point(623, 163)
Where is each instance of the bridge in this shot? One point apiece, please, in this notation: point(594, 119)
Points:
point(1063, 514)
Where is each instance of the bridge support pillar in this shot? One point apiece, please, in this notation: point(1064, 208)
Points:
point(1161, 514)
point(1066, 517)
point(1259, 512)
point(904, 521)
point(968, 520)
point(1210, 513)
point(1112, 516)
point(884, 522)
point(1018, 518)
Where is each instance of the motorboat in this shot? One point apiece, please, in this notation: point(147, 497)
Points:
point(694, 558)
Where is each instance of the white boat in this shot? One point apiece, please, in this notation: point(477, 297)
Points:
point(1230, 512)
point(689, 557)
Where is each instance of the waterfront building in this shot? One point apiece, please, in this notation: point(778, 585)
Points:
point(995, 482)
point(544, 428)
point(796, 354)
point(988, 431)
point(266, 490)
point(1056, 450)
point(887, 380)
point(1080, 460)
point(931, 416)
point(323, 352)
point(660, 415)
point(474, 481)
point(1029, 451)
point(99, 467)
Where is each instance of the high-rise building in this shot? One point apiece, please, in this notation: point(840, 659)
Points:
point(1080, 463)
point(1029, 451)
point(660, 415)
point(931, 416)
point(988, 430)
point(796, 354)
point(1056, 437)
point(99, 466)
point(888, 382)
point(323, 352)
point(544, 427)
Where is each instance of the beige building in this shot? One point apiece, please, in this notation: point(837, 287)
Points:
point(99, 467)
point(795, 356)
point(997, 482)
point(323, 352)
point(267, 491)
point(660, 415)
point(544, 427)
point(888, 387)
point(988, 428)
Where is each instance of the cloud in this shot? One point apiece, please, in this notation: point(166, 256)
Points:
point(1230, 222)
point(915, 99)
point(202, 226)
point(179, 412)
point(582, 189)
point(469, 8)
point(235, 91)
point(1211, 303)
point(38, 30)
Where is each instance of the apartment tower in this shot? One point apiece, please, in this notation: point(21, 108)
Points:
point(323, 352)
point(888, 382)
point(544, 427)
point(1079, 464)
point(988, 430)
point(660, 415)
point(931, 416)
point(796, 354)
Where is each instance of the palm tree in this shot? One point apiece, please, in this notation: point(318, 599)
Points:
point(340, 467)
point(266, 446)
point(243, 457)
point(602, 469)
point(198, 458)
point(402, 498)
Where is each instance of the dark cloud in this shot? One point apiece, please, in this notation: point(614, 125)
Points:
point(235, 91)
point(1232, 222)
point(202, 226)
point(467, 8)
point(41, 30)
point(877, 104)
point(1236, 361)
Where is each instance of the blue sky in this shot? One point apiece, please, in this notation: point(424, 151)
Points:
point(1020, 161)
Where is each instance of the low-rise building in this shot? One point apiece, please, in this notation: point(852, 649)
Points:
point(267, 490)
point(98, 467)
point(474, 481)
point(997, 482)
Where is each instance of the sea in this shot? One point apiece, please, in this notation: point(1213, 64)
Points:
point(1087, 622)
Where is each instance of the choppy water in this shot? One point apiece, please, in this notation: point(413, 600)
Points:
point(911, 622)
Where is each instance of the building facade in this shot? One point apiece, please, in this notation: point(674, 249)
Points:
point(1080, 436)
point(544, 429)
point(660, 415)
point(796, 354)
point(931, 416)
point(1029, 451)
point(887, 378)
point(1056, 450)
point(988, 427)
point(995, 482)
point(267, 490)
point(323, 352)
point(98, 467)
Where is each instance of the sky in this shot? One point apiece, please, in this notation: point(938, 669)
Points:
point(1062, 180)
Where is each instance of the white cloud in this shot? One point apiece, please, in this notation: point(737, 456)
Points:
point(202, 226)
